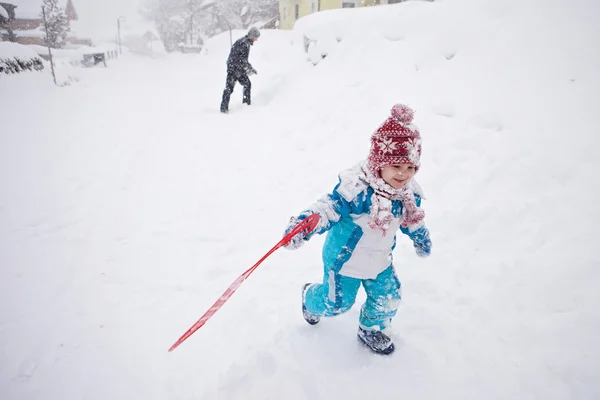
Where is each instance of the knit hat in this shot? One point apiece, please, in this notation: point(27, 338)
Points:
point(396, 141)
point(254, 32)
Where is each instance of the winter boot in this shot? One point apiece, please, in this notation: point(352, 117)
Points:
point(310, 318)
point(377, 341)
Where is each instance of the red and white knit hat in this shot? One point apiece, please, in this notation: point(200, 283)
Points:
point(396, 141)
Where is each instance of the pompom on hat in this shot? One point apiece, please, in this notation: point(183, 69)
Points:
point(396, 141)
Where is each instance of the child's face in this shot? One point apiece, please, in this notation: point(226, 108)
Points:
point(398, 175)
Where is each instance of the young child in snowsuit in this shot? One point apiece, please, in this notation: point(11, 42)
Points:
point(361, 216)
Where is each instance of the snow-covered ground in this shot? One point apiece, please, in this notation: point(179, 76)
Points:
point(128, 204)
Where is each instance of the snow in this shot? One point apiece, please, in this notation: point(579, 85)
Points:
point(37, 33)
point(128, 204)
point(3, 13)
point(75, 54)
point(10, 50)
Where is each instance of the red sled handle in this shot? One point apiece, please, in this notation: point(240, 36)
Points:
point(308, 224)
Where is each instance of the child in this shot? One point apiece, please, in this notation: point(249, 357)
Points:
point(370, 203)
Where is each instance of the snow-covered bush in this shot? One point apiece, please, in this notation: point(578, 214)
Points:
point(16, 58)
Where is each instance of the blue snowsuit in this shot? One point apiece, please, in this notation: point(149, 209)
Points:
point(355, 254)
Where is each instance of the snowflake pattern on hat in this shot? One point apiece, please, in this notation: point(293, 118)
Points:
point(387, 146)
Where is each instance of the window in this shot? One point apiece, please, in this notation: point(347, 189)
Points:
point(284, 13)
point(297, 11)
point(347, 4)
point(319, 5)
point(312, 7)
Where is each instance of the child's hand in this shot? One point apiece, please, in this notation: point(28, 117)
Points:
point(421, 241)
point(297, 241)
point(423, 249)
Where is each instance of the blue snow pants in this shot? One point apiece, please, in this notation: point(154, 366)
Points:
point(337, 294)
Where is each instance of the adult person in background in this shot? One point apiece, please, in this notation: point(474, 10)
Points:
point(238, 68)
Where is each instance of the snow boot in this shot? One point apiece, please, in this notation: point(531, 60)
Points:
point(377, 341)
point(310, 318)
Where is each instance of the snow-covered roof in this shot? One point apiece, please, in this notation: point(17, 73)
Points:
point(31, 9)
point(26, 33)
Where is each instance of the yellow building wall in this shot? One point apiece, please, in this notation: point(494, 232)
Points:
point(287, 10)
point(284, 14)
point(330, 4)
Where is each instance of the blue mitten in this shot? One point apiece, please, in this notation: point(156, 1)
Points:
point(422, 242)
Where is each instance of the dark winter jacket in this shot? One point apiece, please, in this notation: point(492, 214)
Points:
point(238, 57)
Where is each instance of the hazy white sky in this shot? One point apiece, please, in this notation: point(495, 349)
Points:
point(98, 18)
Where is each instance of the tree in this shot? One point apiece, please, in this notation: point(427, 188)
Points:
point(170, 20)
point(260, 11)
point(243, 13)
point(57, 24)
point(238, 14)
point(7, 13)
point(186, 21)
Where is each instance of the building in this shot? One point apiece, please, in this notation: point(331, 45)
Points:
point(27, 24)
point(292, 10)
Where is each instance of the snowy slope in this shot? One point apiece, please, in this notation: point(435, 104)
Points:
point(128, 204)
